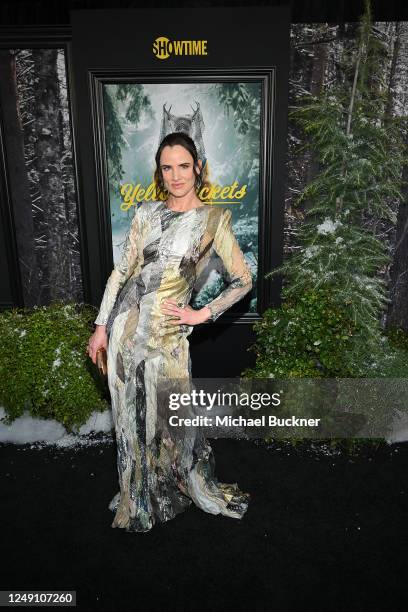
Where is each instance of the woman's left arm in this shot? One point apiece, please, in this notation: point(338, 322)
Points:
point(240, 278)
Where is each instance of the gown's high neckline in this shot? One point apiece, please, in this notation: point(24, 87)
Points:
point(182, 211)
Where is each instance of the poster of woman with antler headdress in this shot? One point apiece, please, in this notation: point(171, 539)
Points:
point(224, 120)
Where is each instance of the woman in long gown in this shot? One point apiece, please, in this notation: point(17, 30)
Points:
point(144, 321)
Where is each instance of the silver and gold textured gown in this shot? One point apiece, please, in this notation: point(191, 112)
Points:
point(163, 468)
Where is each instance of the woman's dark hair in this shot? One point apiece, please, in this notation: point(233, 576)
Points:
point(183, 139)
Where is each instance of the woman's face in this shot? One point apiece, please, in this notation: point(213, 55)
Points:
point(177, 170)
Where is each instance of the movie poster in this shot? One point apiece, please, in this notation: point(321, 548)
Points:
point(224, 119)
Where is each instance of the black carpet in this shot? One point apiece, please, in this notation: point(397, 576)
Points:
point(322, 531)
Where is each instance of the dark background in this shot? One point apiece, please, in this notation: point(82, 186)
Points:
point(23, 12)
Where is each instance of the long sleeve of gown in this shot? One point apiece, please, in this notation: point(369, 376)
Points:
point(123, 269)
point(240, 278)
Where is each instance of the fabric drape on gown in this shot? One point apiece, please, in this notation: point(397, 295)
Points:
point(162, 469)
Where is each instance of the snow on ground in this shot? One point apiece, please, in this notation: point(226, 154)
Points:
point(47, 432)
point(399, 429)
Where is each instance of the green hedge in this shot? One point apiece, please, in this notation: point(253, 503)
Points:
point(44, 368)
point(308, 337)
point(43, 365)
point(315, 336)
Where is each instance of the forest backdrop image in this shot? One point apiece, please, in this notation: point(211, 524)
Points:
point(344, 309)
point(37, 139)
point(229, 119)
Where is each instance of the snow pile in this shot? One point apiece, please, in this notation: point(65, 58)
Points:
point(399, 428)
point(328, 226)
point(27, 429)
point(311, 251)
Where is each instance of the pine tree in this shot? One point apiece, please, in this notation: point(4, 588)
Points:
point(360, 157)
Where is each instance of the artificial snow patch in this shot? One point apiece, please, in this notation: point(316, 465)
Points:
point(310, 251)
point(27, 429)
point(399, 428)
point(98, 421)
point(328, 226)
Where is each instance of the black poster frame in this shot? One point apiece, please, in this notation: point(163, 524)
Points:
point(266, 76)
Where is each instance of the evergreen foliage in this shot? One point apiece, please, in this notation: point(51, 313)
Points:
point(341, 254)
point(43, 365)
point(135, 102)
point(307, 337)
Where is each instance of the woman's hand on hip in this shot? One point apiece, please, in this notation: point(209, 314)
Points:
point(183, 315)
